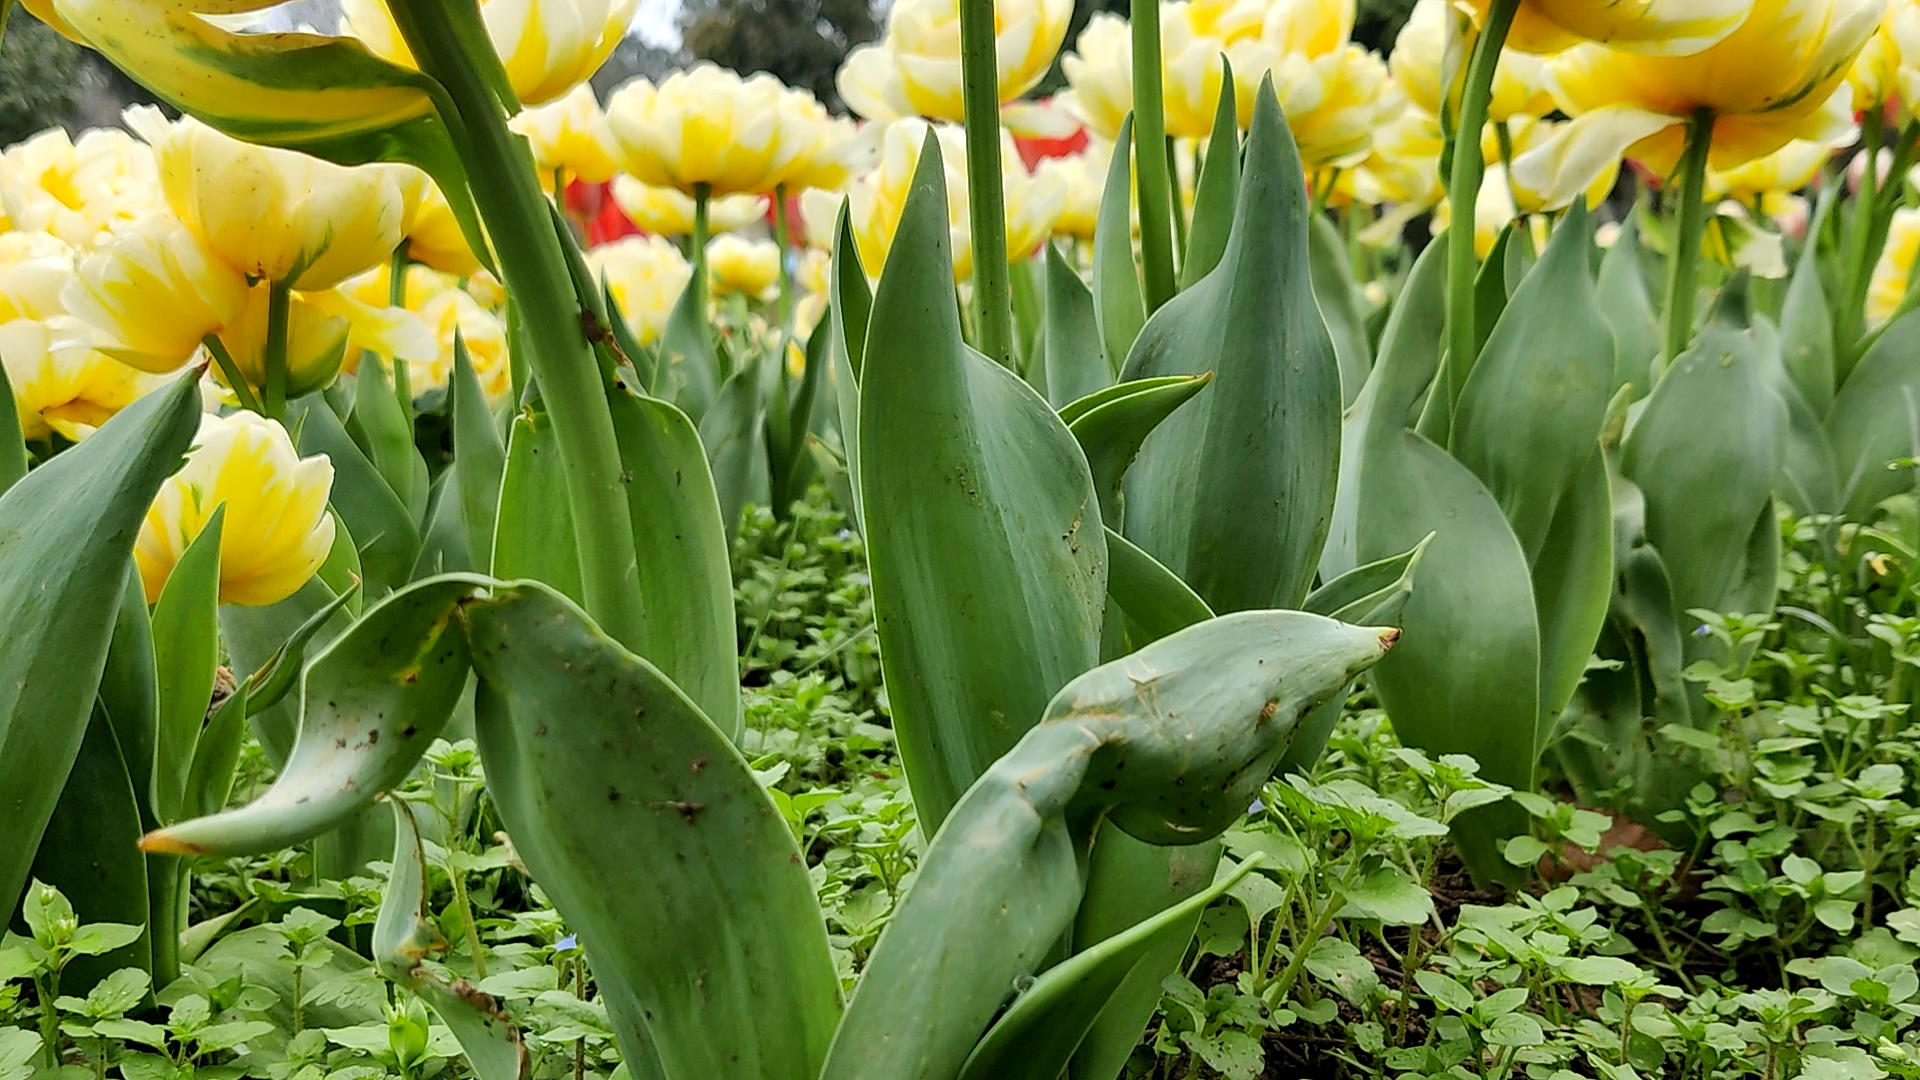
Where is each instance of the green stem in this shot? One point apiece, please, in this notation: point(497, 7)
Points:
point(218, 350)
point(1879, 210)
point(1682, 271)
point(471, 929)
point(781, 237)
point(279, 309)
point(1463, 195)
point(1149, 160)
point(697, 245)
point(1179, 204)
point(47, 988)
point(986, 198)
point(397, 298)
point(506, 188)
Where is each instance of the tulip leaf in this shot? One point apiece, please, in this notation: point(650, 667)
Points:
point(216, 754)
point(1706, 453)
point(730, 430)
point(1529, 417)
point(481, 456)
point(404, 935)
point(1806, 336)
point(685, 576)
point(66, 542)
point(259, 639)
point(1217, 190)
point(1111, 432)
point(1621, 291)
point(1338, 299)
point(849, 306)
point(1044, 1027)
point(1118, 305)
point(1153, 597)
point(370, 706)
point(533, 535)
point(648, 830)
point(1168, 744)
point(13, 446)
point(1873, 423)
point(387, 438)
point(378, 519)
point(1357, 595)
point(186, 643)
point(1236, 493)
point(983, 527)
point(1572, 586)
point(130, 693)
point(689, 369)
point(1075, 361)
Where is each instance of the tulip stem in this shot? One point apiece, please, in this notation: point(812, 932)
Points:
point(1469, 168)
point(782, 237)
point(397, 298)
point(507, 189)
point(702, 204)
point(279, 309)
point(1873, 216)
point(1150, 160)
point(1682, 272)
point(231, 372)
point(987, 200)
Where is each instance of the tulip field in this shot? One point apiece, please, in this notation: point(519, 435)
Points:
point(1176, 545)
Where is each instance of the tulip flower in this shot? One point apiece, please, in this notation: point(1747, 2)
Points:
point(154, 294)
point(1334, 103)
point(273, 214)
point(78, 190)
point(454, 312)
point(277, 531)
point(316, 345)
point(1099, 76)
point(547, 46)
point(433, 233)
point(1875, 74)
point(1082, 176)
point(668, 212)
point(646, 275)
point(1658, 27)
point(34, 271)
point(1787, 169)
point(915, 69)
point(739, 265)
point(706, 129)
point(570, 137)
point(61, 384)
point(1419, 58)
point(1893, 274)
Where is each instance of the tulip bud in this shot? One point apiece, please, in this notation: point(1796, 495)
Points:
point(277, 530)
point(454, 313)
point(915, 69)
point(571, 136)
point(61, 384)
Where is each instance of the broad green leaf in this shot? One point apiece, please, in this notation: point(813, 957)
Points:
point(443, 539)
point(1153, 597)
point(1216, 191)
point(1872, 421)
point(1167, 744)
point(1338, 299)
point(983, 528)
point(389, 438)
point(730, 430)
point(129, 691)
point(1621, 291)
point(1528, 420)
point(1806, 336)
point(13, 446)
point(66, 542)
point(1235, 494)
point(656, 844)
point(684, 574)
point(689, 371)
point(1490, 292)
point(370, 706)
point(388, 535)
point(1044, 1027)
point(1572, 586)
point(1118, 305)
point(481, 456)
point(404, 935)
point(1112, 432)
point(789, 465)
point(186, 643)
point(254, 635)
point(215, 755)
point(533, 534)
point(1389, 895)
point(1076, 363)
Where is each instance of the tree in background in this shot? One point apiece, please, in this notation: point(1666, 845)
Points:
point(800, 41)
point(36, 78)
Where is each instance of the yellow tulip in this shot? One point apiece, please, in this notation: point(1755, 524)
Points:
point(1100, 75)
point(279, 215)
point(828, 150)
point(1083, 177)
point(1893, 275)
point(646, 275)
point(1334, 103)
point(61, 384)
point(548, 46)
point(81, 190)
point(915, 69)
point(1659, 27)
point(811, 277)
point(155, 292)
point(1789, 168)
point(1303, 27)
point(1403, 166)
point(708, 126)
point(277, 530)
point(316, 343)
point(1192, 72)
point(736, 264)
point(391, 332)
point(571, 136)
point(668, 212)
point(1902, 31)
point(433, 233)
point(375, 287)
point(485, 335)
point(34, 270)
point(1420, 56)
point(1875, 75)
point(1780, 77)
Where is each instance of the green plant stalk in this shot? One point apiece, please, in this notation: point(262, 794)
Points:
point(279, 311)
point(1150, 160)
point(986, 196)
point(1871, 220)
point(1682, 271)
point(1463, 194)
point(1179, 204)
point(782, 234)
point(218, 350)
point(507, 191)
point(47, 987)
point(397, 298)
point(697, 244)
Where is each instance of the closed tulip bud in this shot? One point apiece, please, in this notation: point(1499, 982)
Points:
point(154, 293)
point(1893, 274)
point(277, 530)
point(738, 265)
point(570, 136)
point(452, 315)
point(669, 212)
point(272, 214)
point(915, 69)
point(646, 275)
point(707, 126)
point(61, 384)
point(1657, 27)
point(1779, 77)
point(316, 343)
point(1420, 56)
point(547, 46)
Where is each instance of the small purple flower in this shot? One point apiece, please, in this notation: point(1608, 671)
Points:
point(1258, 807)
point(571, 941)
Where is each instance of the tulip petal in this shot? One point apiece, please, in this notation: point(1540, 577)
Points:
point(1569, 161)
